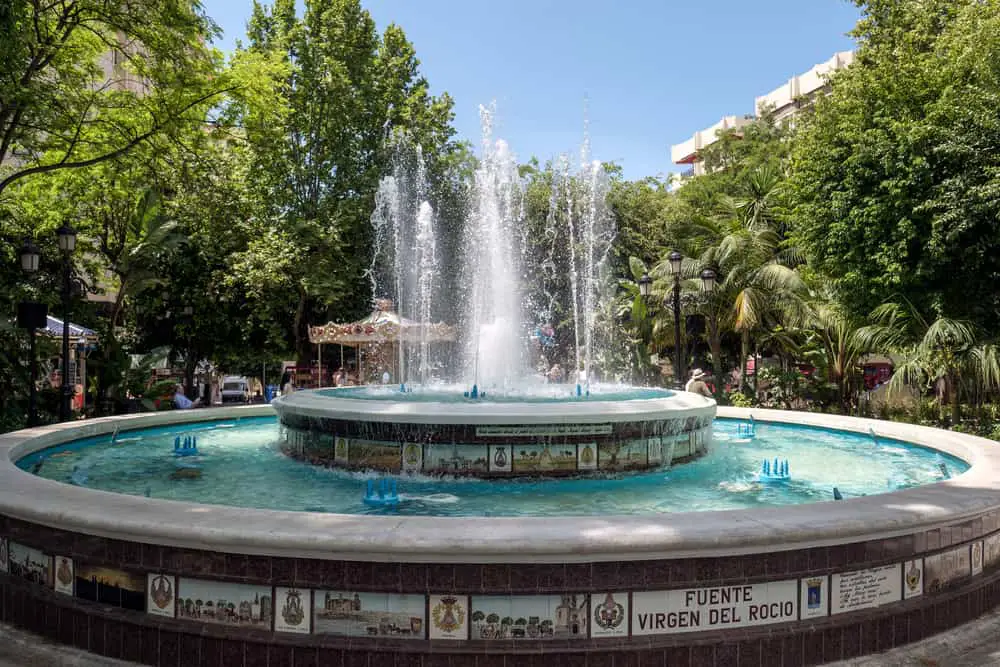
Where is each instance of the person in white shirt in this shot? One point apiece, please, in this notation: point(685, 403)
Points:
point(696, 385)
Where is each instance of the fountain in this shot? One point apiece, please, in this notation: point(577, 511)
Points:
point(109, 543)
point(494, 409)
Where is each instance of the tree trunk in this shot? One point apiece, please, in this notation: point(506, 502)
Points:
point(715, 345)
point(301, 327)
point(744, 353)
point(956, 406)
point(189, 366)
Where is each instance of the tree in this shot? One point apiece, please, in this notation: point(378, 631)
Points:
point(86, 81)
point(343, 89)
point(940, 350)
point(895, 175)
point(743, 240)
point(836, 334)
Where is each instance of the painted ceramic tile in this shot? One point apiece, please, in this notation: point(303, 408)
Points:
point(609, 615)
point(682, 446)
point(341, 449)
point(815, 600)
point(4, 555)
point(501, 458)
point(866, 589)
point(380, 455)
point(913, 578)
point(292, 610)
point(529, 617)
point(110, 586)
point(63, 576)
point(413, 457)
point(319, 445)
point(456, 459)
point(620, 455)
point(449, 617)
point(544, 457)
point(991, 550)
point(668, 453)
point(977, 558)
point(357, 614)
point(224, 603)
point(654, 450)
point(586, 456)
point(943, 568)
point(161, 595)
point(29, 563)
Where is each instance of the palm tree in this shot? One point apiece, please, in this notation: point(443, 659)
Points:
point(836, 333)
point(945, 351)
point(632, 307)
point(757, 286)
point(131, 239)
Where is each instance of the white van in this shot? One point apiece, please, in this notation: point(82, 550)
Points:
point(235, 389)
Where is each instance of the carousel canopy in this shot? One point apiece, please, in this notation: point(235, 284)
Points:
point(382, 326)
point(54, 328)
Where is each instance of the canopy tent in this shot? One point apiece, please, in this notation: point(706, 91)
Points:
point(383, 328)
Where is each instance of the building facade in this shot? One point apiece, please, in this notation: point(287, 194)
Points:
point(785, 102)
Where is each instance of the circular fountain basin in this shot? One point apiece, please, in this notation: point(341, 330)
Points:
point(546, 430)
point(799, 584)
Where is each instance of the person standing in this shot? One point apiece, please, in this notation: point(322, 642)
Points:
point(287, 385)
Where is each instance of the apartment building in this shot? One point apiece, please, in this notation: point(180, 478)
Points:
point(785, 101)
point(688, 152)
point(799, 92)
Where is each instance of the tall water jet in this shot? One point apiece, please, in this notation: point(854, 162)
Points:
point(404, 262)
point(426, 261)
point(598, 234)
point(494, 333)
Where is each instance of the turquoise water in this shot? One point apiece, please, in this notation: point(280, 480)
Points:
point(541, 393)
point(242, 466)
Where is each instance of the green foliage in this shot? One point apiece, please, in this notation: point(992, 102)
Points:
point(85, 81)
point(895, 177)
point(335, 91)
point(740, 400)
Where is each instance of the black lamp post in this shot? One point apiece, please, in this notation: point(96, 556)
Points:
point(67, 244)
point(676, 259)
point(644, 284)
point(31, 316)
point(708, 281)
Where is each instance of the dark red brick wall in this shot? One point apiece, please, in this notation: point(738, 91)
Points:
point(153, 640)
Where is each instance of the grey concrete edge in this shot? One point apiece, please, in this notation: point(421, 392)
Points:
point(501, 539)
point(680, 405)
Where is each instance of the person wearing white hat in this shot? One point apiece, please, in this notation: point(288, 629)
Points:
point(696, 385)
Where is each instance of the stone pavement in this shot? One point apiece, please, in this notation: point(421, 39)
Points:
point(975, 644)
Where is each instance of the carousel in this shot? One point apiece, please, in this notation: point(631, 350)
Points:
point(378, 340)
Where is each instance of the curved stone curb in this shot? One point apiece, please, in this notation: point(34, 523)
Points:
point(499, 539)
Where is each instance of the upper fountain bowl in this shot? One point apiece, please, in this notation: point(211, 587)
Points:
point(540, 430)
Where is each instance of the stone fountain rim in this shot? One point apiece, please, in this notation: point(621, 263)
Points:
point(496, 539)
point(309, 403)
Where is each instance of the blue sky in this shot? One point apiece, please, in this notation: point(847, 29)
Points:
point(653, 71)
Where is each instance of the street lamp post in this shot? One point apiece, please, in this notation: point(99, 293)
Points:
point(644, 284)
point(29, 315)
point(708, 281)
point(675, 259)
point(67, 244)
